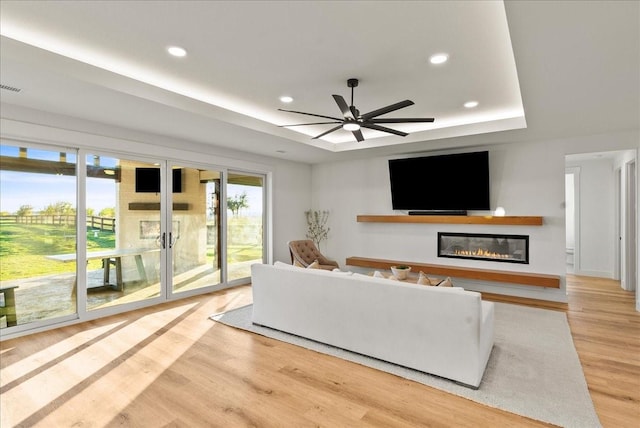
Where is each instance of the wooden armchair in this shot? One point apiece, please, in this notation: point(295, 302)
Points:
point(305, 252)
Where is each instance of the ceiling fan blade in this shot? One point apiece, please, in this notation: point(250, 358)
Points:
point(328, 132)
point(383, 129)
point(358, 135)
point(344, 107)
point(387, 109)
point(311, 114)
point(404, 120)
point(302, 124)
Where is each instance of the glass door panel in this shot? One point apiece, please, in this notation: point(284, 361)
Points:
point(195, 229)
point(124, 237)
point(245, 217)
point(37, 235)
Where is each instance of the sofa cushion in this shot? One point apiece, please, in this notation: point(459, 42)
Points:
point(282, 265)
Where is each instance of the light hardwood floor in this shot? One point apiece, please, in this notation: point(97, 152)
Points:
point(170, 366)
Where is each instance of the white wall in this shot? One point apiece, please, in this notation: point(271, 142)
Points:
point(526, 179)
point(291, 198)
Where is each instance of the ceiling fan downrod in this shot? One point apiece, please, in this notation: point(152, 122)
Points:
point(352, 83)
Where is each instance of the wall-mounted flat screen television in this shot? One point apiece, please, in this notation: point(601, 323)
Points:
point(455, 182)
point(148, 180)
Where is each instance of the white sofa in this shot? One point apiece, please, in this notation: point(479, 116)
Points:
point(444, 331)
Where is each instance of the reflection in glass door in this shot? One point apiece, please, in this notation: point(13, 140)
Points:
point(194, 234)
point(245, 211)
point(123, 231)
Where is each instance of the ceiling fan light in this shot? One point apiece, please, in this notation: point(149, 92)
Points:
point(351, 126)
point(177, 51)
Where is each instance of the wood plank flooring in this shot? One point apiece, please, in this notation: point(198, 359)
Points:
point(170, 366)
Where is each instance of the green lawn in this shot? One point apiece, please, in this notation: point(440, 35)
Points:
point(23, 248)
point(240, 253)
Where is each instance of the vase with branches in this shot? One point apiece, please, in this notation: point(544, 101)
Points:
point(317, 229)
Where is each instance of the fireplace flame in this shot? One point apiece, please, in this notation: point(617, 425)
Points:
point(480, 252)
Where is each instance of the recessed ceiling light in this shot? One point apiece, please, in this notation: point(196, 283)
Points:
point(286, 99)
point(438, 58)
point(471, 104)
point(176, 51)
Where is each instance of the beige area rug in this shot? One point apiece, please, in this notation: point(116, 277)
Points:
point(533, 369)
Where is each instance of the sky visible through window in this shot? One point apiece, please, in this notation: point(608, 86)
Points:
point(41, 190)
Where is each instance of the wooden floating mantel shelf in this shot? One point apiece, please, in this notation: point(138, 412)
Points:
point(452, 219)
point(521, 278)
point(155, 206)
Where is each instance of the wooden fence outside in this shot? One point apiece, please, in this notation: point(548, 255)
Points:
point(101, 223)
point(93, 222)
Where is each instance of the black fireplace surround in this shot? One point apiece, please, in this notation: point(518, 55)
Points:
point(484, 246)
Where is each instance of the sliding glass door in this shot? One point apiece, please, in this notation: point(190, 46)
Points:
point(194, 236)
point(124, 241)
point(37, 229)
point(245, 223)
point(85, 233)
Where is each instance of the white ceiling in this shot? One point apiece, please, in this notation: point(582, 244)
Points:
point(572, 68)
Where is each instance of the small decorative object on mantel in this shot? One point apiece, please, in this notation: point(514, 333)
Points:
point(401, 271)
point(317, 229)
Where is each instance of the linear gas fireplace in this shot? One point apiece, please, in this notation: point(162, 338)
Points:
point(480, 246)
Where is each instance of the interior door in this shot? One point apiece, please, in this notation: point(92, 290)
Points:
point(631, 236)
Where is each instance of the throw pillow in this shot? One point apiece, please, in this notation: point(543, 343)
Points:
point(446, 283)
point(423, 279)
point(314, 265)
point(378, 274)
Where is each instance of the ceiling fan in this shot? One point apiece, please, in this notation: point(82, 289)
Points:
point(352, 119)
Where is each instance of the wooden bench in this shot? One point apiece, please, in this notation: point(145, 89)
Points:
point(109, 258)
point(8, 306)
point(521, 278)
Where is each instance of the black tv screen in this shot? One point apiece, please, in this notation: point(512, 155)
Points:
point(148, 180)
point(456, 182)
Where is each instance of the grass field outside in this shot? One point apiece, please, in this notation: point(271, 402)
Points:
point(23, 248)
